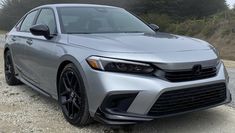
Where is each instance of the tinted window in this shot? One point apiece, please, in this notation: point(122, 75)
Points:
point(28, 21)
point(46, 17)
point(77, 20)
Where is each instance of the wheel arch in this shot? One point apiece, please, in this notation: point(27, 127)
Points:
point(86, 116)
point(6, 48)
point(60, 69)
point(65, 60)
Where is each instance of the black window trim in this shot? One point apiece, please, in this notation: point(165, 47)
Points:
point(18, 24)
point(60, 21)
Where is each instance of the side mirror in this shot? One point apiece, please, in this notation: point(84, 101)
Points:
point(41, 30)
point(154, 27)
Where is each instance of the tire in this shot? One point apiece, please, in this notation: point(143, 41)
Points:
point(9, 70)
point(72, 97)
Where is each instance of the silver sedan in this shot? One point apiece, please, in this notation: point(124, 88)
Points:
point(103, 63)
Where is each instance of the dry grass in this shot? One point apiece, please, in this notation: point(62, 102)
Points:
point(225, 45)
point(218, 29)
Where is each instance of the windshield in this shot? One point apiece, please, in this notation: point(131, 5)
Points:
point(88, 20)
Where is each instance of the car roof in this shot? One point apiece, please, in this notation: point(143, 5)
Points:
point(76, 5)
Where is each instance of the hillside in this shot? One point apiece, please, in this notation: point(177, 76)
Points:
point(218, 29)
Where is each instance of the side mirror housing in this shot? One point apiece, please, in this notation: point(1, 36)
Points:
point(41, 30)
point(154, 27)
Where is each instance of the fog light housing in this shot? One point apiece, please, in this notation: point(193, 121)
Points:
point(118, 103)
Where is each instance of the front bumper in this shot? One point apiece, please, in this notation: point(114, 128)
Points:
point(130, 119)
point(148, 89)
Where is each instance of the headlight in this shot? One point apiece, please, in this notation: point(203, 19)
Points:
point(116, 65)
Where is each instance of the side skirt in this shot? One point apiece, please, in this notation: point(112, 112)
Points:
point(28, 83)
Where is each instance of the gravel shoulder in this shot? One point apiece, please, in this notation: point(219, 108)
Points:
point(229, 63)
point(25, 110)
point(1, 40)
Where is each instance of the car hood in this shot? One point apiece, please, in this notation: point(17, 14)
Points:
point(138, 42)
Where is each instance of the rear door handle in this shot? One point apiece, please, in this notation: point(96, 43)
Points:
point(29, 41)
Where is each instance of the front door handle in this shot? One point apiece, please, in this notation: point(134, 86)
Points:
point(29, 41)
point(13, 38)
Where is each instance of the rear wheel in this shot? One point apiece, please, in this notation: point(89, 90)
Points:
point(9, 70)
point(72, 97)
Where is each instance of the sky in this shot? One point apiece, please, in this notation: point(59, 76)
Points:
point(229, 2)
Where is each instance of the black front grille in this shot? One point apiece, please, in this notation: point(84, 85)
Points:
point(189, 75)
point(183, 100)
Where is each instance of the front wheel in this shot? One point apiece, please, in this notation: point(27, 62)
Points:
point(9, 70)
point(72, 97)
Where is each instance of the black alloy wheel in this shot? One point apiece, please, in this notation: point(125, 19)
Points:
point(72, 97)
point(9, 70)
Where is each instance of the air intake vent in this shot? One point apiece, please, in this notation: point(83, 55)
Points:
point(183, 100)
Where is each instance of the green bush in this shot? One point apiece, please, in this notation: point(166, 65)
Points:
point(189, 27)
point(226, 32)
point(209, 30)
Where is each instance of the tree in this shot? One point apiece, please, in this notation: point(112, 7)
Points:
point(183, 9)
